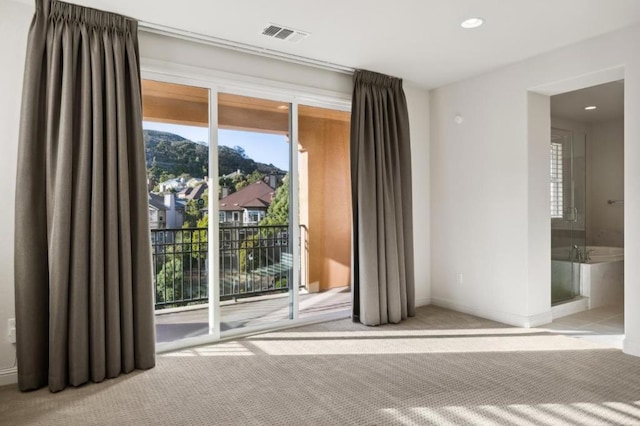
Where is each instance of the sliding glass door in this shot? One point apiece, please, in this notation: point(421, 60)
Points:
point(324, 193)
point(254, 215)
point(176, 134)
point(249, 231)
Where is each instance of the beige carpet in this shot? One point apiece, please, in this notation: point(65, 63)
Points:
point(440, 367)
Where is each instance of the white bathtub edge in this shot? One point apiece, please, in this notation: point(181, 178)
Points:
point(570, 308)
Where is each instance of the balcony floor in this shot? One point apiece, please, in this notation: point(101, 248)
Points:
point(250, 312)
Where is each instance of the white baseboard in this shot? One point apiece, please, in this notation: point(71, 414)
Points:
point(503, 317)
point(630, 347)
point(8, 376)
point(423, 302)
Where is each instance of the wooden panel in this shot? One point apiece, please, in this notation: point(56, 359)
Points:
point(252, 114)
point(175, 91)
point(325, 188)
point(323, 113)
point(187, 105)
point(175, 111)
point(264, 121)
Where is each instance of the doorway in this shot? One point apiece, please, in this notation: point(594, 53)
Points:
point(587, 204)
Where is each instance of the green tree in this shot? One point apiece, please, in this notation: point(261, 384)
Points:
point(169, 281)
point(249, 254)
point(278, 211)
point(193, 211)
point(241, 184)
point(199, 239)
point(164, 176)
point(192, 214)
point(255, 176)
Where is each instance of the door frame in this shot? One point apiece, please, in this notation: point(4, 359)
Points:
point(218, 82)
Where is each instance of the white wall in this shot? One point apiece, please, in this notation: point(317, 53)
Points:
point(489, 217)
point(479, 231)
point(418, 105)
point(236, 65)
point(538, 288)
point(15, 18)
point(14, 24)
point(606, 150)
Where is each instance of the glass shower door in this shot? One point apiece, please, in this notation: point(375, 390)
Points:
point(568, 208)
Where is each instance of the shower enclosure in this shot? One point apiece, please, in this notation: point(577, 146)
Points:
point(568, 213)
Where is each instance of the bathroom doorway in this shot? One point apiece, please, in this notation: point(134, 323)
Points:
point(587, 203)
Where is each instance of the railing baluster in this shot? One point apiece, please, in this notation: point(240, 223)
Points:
point(252, 262)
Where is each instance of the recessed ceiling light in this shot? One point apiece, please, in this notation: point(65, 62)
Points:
point(472, 23)
point(590, 107)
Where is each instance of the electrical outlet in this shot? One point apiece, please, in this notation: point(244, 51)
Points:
point(12, 330)
point(460, 278)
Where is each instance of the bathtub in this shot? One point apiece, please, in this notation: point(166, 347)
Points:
point(596, 254)
point(601, 276)
point(604, 254)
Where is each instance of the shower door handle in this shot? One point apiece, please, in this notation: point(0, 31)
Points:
point(572, 214)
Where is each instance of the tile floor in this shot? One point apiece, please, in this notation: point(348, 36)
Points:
point(603, 325)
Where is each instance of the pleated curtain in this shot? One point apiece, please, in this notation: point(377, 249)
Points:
point(84, 294)
point(383, 265)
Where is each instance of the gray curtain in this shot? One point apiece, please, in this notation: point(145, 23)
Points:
point(382, 266)
point(84, 296)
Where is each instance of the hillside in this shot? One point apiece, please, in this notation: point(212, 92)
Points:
point(171, 154)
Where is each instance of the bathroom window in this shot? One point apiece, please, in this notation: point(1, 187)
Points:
point(556, 180)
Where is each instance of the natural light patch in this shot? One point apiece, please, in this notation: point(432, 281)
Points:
point(582, 413)
point(423, 345)
point(379, 333)
point(506, 416)
point(320, 298)
point(220, 349)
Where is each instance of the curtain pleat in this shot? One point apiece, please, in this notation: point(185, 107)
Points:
point(383, 268)
point(84, 293)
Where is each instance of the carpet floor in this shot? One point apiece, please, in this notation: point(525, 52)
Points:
point(440, 367)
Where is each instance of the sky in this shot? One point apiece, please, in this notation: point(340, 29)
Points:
point(262, 147)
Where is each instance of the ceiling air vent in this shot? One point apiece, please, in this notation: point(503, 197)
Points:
point(284, 33)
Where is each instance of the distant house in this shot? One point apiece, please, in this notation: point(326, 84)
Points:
point(165, 211)
point(233, 175)
point(175, 185)
point(248, 206)
point(193, 192)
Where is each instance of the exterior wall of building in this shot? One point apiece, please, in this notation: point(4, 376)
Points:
point(325, 201)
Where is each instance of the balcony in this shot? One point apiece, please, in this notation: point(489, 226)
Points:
point(255, 275)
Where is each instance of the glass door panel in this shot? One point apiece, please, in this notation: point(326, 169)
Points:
point(324, 191)
point(176, 135)
point(568, 213)
point(255, 258)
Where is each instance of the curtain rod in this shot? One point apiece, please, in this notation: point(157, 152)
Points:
point(242, 47)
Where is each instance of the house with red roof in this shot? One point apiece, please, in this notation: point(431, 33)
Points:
point(248, 206)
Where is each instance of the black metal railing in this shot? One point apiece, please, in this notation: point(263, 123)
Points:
point(179, 266)
point(254, 260)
